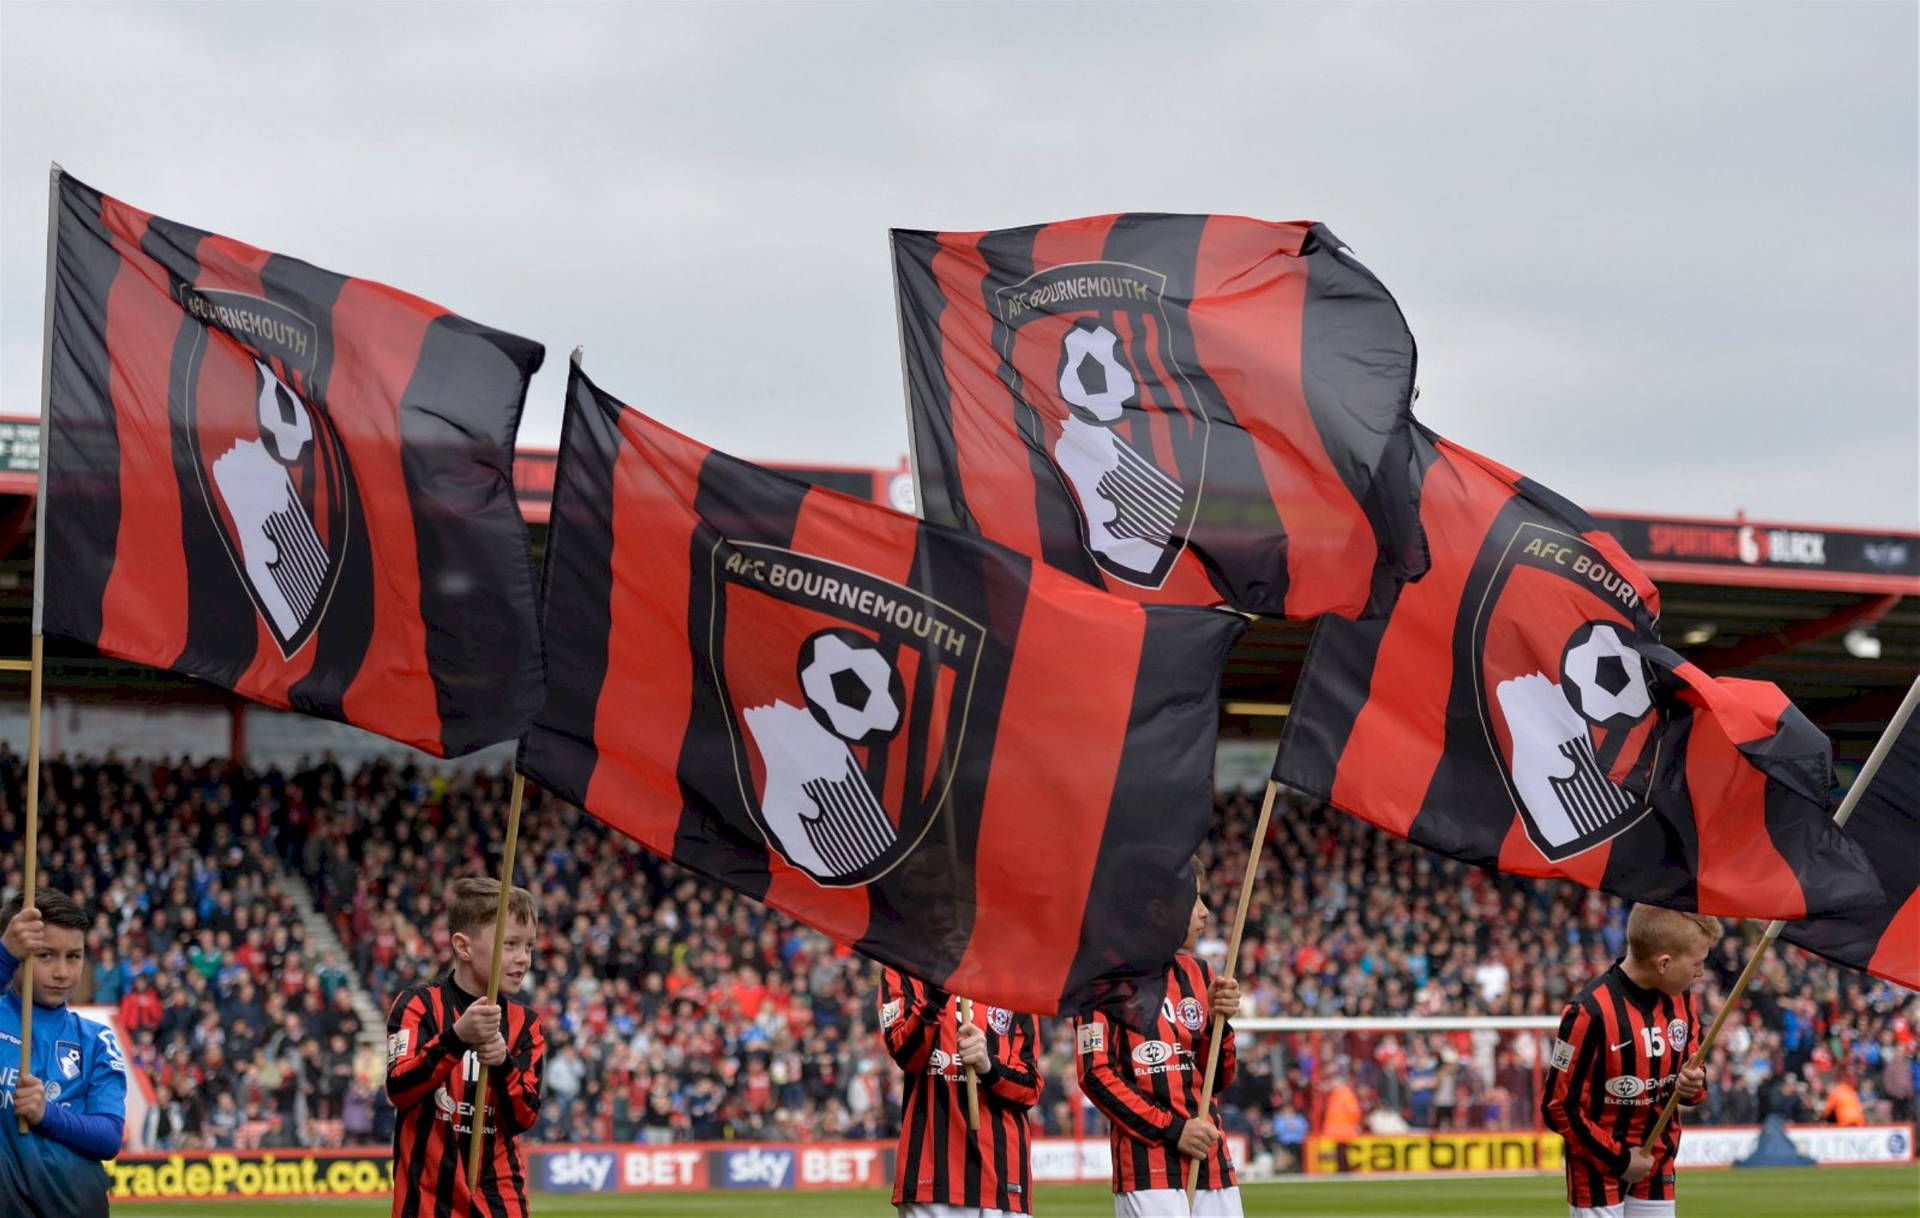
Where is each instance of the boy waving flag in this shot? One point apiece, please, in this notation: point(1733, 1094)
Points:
point(944, 1169)
point(74, 1095)
point(1623, 1047)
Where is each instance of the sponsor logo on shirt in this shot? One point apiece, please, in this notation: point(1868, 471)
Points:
point(1159, 1056)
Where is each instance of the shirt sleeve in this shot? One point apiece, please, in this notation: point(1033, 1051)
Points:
point(1015, 1077)
point(909, 1023)
point(96, 1126)
point(420, 1056)
point(1100, 1044)
point(523, 1071)
point(1576, 1068)
point(9, 965)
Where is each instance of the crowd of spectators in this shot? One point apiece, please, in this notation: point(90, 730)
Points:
point(246, 1037)
point(679, 1010)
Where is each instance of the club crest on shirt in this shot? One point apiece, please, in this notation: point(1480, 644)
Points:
point(1677, 1035)
point(1187, 1013)
point(1000, 1020)
point(66, 1058)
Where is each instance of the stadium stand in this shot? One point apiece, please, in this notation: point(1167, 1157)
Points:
point(680, 1011)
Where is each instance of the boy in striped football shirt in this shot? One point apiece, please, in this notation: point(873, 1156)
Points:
point(440, 1036)
point(1623, 1047)
point(1149, 1089)
point(944, 1169)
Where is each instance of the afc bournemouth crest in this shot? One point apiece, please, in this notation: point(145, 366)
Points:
point(269, 464)
point(846, 697)
point(1089, 349)
point(1576, 733)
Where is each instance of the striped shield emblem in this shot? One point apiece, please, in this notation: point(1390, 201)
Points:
point(1087, 349)
point(847, 698)
point(271, 470)
point(1575, 731)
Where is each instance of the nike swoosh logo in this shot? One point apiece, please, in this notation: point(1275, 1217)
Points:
point(1623, 1044)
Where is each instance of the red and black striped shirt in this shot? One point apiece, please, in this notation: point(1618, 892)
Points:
point(1617, 1060)
point(1149, 1086)
point(431, 1074)
point(941, 1161)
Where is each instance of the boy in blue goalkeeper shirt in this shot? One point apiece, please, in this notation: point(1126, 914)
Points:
point(74, 1098)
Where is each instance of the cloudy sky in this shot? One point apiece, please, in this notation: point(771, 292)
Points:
point(1662, 258)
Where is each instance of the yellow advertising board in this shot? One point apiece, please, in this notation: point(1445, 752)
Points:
point(1517, 1150)
point(209, 1175)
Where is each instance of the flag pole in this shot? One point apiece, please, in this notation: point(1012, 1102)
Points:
point(906, 377)
point(973, 1078)
point(493, 974)
point(514, 800)
point(1233, 960)
point(1880, 750)
point(30, 865)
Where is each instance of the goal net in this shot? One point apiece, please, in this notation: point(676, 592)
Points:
point(1411, 1093)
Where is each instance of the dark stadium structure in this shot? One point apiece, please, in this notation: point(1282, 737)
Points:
point(1830, 614)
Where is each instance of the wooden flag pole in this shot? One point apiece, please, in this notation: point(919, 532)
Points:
point(973, 1079)
point(30, 866)
point(1233, 960)
point(493, 975)
point(1880, 750)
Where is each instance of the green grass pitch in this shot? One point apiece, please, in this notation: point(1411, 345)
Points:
point(1816, 1192)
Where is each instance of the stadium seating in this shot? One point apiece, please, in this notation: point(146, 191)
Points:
point(678, 1010)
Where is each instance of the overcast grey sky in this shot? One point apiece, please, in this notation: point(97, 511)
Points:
point(1659, 257)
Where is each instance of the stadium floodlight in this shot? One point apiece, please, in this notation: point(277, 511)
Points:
point(1861, 643)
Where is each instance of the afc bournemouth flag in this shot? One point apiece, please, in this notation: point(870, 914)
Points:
point(1180, 409)
point(1884, 938)
point(1517, 710)
point(959, 762)
point(284, 481)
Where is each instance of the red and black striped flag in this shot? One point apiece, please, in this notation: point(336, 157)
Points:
point(1518, 710)
point(1180, 409)
point(290, 483)
point(927, 746)
point(1883, 938)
